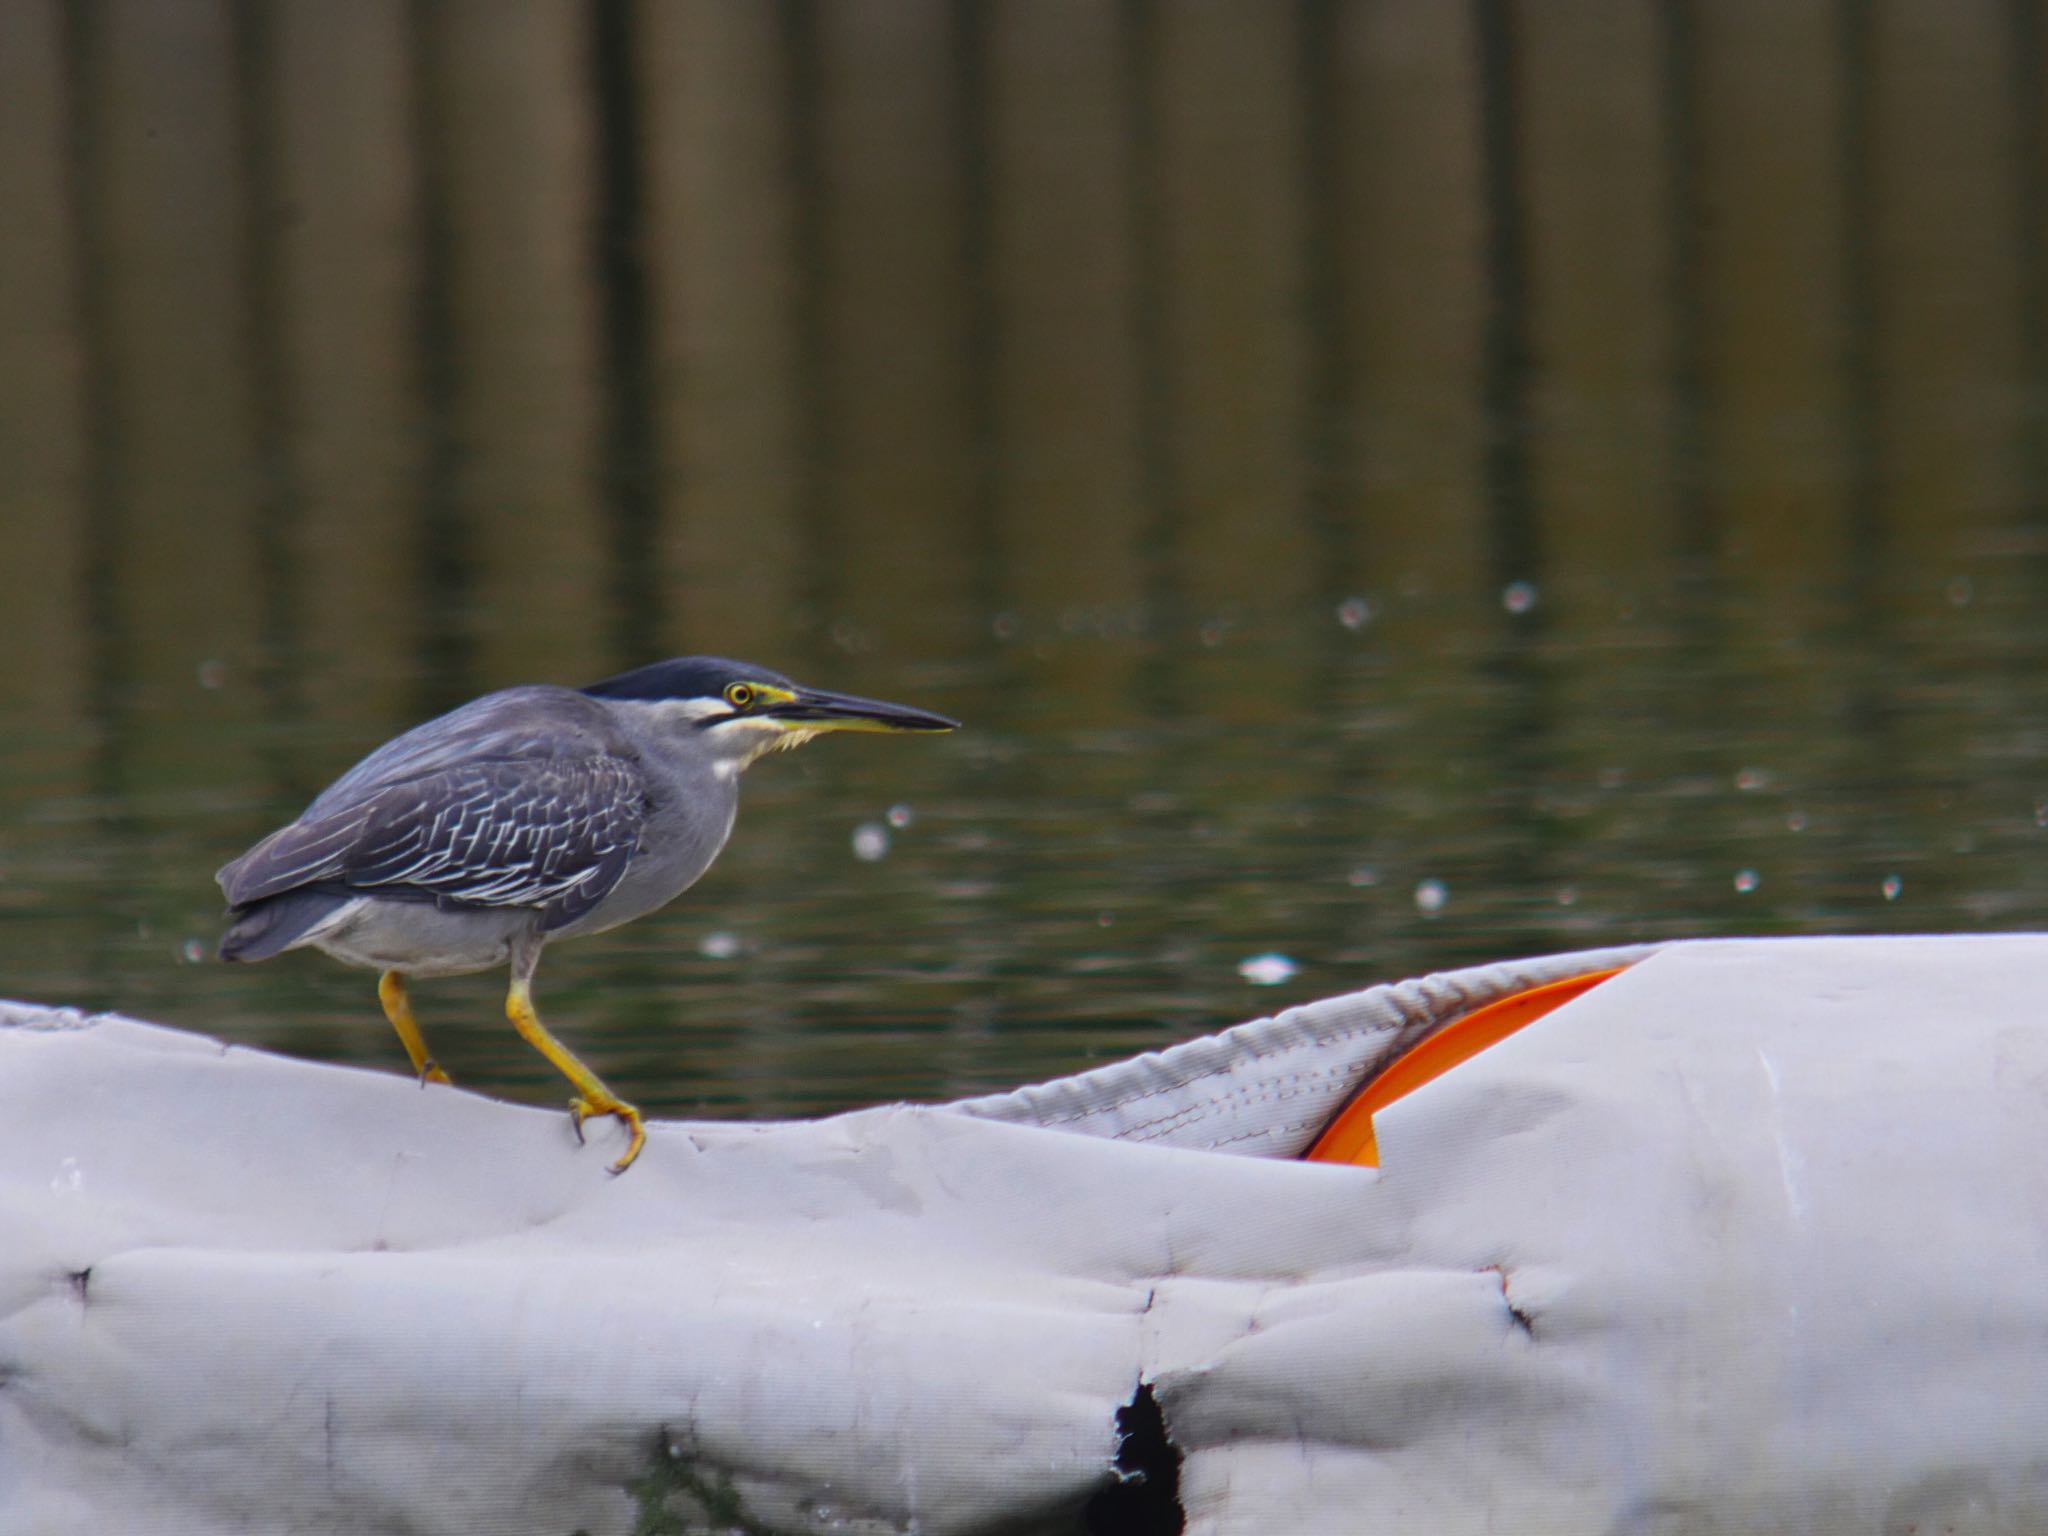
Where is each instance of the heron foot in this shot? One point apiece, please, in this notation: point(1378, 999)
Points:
point(581, 1109)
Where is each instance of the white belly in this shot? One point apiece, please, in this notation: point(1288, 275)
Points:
point(419, 938)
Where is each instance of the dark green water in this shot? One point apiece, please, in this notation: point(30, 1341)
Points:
point(1384, 485)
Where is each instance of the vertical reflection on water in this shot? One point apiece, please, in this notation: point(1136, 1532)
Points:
point(1520, 721)
point(967, 1027)
point(1329, 439)
point(1862, 490)
point(2030, 185)
point(1689, 708)
point(1696, 534)
point(897, 313)
point(1511, 515)
point(981, 340)
point(804, 74)
point(1330, 401)
point(1156, 681)
point(104, 488)
point(631, 457)
point(1867, 651)
point(2026, 685)
point(445, 672)
point(275, 509)
point(104, 482)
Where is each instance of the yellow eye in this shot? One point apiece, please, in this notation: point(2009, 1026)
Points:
point(738, 695)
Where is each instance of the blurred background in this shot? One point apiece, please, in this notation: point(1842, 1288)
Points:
point(1386, 483)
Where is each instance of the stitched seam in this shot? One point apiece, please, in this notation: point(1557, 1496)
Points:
point(1289, 1129)
point(1237, 1066)
point(1319, 1082)
point(1245, 1098)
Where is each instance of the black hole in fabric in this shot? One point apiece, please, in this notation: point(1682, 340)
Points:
point(1145, 1498)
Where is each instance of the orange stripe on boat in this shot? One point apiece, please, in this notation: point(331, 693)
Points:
point(1349, 1137)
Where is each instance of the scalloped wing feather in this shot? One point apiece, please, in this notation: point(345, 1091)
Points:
point(550, 833)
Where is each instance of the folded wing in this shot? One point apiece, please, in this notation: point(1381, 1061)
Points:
point(551, 833)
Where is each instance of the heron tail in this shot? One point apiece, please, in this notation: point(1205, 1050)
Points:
point(264, 928)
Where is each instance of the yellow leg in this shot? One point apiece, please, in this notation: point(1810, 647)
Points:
point(398, 1009)
point(592, 1097)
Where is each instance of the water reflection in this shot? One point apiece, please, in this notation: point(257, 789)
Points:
point(1386, 484)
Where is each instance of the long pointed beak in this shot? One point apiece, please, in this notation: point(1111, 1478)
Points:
point(813, 709)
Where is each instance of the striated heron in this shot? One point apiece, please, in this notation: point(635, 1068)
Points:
point(526, 815)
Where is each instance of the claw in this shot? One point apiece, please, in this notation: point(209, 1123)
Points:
point(430, 1072)
point(636, 1136)
point(636, 1133)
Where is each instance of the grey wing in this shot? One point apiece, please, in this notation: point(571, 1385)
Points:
point(550, 833)
point(531, 722)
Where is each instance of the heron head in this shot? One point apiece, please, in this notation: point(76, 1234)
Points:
point(741, 711)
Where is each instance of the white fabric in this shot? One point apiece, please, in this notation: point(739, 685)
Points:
point(1749, 1239)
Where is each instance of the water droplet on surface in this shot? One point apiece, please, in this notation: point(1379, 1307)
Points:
point(1430, 897)
point(1213, 632)
point(213, 674)
point(1891, 887)
point(719, 946)
point(1266, 970)
point(870, 841)
point(1518, 596)
point(1568, 896)
point(1006, 626)
point(1361, 877)
point(1354, 612)
point(900, 816)
point(1747, 880)
point(194, 952)
point(1960, 592)
point(1796, 822)
point(851, 637)
point(1750, 779)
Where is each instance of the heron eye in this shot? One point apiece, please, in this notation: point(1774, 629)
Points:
point(739, 695)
